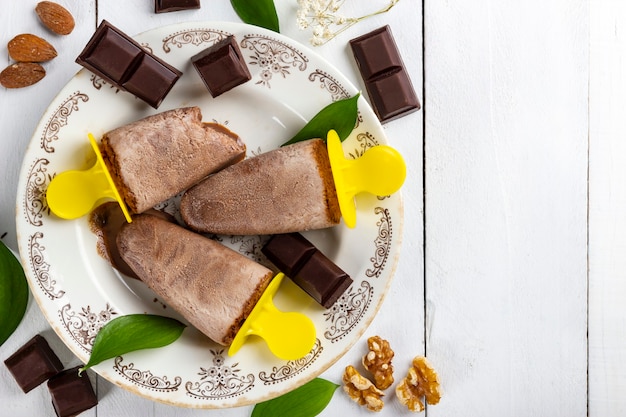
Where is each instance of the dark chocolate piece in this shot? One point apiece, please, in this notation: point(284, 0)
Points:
point(309, 268)
point(386, 80)
point(322, 279)
point(288, 252)
point(392, 95)
point(33, 363)
point(71, 394)
point(120, 60)
point(164, 6)
point(221, 66)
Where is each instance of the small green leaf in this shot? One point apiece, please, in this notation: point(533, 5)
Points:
point(257, 12)
point(133, 332)
point(13, 293)
point(307, 401)
point(340, 115)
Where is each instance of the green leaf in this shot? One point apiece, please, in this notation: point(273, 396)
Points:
point(307, 401)
point(13, 293)
point(133, 332)
point(257, 12)
point(340, 115)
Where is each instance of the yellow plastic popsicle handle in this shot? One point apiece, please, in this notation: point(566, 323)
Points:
point(72, 194)
point(380, 171)
point(289, 335)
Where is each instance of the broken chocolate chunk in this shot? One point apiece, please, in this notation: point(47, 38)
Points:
point(221, 66)
point(386, 80)
point(309, 268)
point(33, 363)
point(71, 393)
point(121, 61)
point(164, 6)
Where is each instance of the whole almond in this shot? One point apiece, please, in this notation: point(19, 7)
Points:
point(55, 17)
point(30, 48)
point(21, 74)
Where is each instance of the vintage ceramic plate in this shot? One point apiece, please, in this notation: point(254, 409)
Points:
point(79, 292)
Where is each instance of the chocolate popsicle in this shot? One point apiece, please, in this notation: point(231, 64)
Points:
point(155, 158)
point(212, 286)
point(285, 190)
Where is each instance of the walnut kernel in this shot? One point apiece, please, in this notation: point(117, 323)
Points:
point(362, 390)
point(421, 381)
point(378, 361)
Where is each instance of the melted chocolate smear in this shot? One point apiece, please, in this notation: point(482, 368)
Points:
point(106, 222)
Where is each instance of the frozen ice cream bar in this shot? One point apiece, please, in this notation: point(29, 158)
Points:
point(284, 190)
point(157, 157)
point(215, 288)
point(303, 186)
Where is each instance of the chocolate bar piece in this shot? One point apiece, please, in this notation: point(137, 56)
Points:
point(382, 69)
point(221, 66)
point(33, 363)
point(71, 393)
point(309, 268)
point(120, 60)
point(164, 6)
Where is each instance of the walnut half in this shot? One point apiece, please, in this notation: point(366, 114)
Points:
point(361, 389)
point(378, 362)
point(421, 381)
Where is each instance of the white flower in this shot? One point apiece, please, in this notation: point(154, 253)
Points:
point(321, 15)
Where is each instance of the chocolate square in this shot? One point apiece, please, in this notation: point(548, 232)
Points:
point(71, 394)
point(221, 66)
point(322, 279)
point(376, 53)
point(33, 363)
point(121, 61)
point(309, 268)
point(288, 252)
point(151, 81)
point(164, 6)
point(111, 54)
point(386, 80)
point(394, 96)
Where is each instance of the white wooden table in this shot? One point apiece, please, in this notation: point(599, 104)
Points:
point(512, 276)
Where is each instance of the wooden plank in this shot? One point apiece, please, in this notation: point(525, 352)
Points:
point(607, 222)
point(506, 206)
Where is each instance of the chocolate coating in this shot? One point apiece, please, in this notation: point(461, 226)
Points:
point(71, 394)
point(221, 66)
point(120, 60)
point(33, 363)
point(164, 6)
point(382, 69)
point(309, 268)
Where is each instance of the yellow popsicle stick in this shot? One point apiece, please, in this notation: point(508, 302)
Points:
point(380, 171)
point(72, 194)
point(289, 335)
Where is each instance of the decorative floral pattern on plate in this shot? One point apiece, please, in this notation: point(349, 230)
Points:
point(41, 268)
point(382, 243)
point(195, 37)
point(292, 368)
point(35, 205)
point(145, 378)
point(347, 311)
point(220, 380)
point(60, 118)
point(84, 325)
point(273, 57)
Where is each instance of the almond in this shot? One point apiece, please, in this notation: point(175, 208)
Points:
point(21, 74)
point(30, 48)
point(55, 17)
